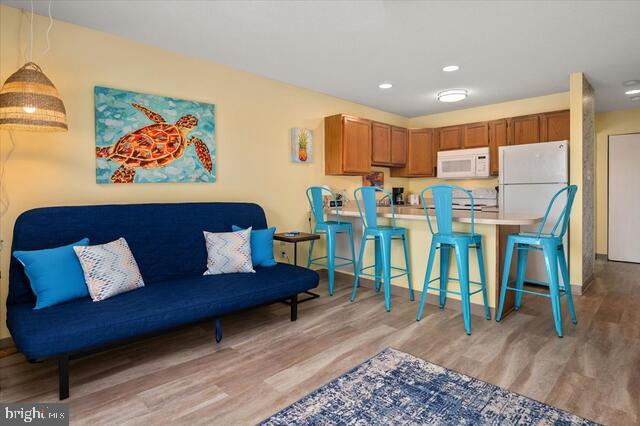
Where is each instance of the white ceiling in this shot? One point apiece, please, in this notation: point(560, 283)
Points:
point(506, 50)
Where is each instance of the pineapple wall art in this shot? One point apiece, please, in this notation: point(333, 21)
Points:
point(301, 145)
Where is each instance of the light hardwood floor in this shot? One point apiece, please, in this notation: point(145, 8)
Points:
point(266, 362)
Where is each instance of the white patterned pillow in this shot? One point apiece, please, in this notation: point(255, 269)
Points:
point(228, 252)
point(109, 269)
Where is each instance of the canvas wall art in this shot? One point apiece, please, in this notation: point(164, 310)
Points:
point(374, 179)
point(143, 138)
point(301, 145)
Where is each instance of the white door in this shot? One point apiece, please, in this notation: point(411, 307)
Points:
point(534, 163)
point(624, 198)
point(534, 199)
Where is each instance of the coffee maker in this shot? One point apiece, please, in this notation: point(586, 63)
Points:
point(398, 196)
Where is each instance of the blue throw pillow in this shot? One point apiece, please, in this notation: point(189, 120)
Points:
point(55, 274)
point(261, 246)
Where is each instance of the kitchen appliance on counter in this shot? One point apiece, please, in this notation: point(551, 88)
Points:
point(398, 196)
point(482, 198)
point(530, 175)
point(463, 163)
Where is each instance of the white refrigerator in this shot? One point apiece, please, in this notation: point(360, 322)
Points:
point(529, 177)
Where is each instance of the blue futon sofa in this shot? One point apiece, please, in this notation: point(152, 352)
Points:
point(169, 247)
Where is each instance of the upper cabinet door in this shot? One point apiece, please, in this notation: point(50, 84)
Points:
point(554, 126)
point(476, 135)
point(420, 160)
point(380, 144)
point(450, 137)
point(356, 146)
point(498, 136)
point(398, 146)
point(525, 129)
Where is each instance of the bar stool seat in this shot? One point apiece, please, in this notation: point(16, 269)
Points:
point(446, 240)
point(331, 229)
point(382, 235)
point(552, 247)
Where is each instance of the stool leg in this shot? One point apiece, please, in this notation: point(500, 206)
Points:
point(508, 254)
point(378, 263)
point(356, 281)
point(331, 257)
point(483, 280)
point(462, 256)
point(311, 246)
point(385, 252)
point(427, 278)
point(566, 284)
point(551, 262)
point(523, 254)
point(353, 250)
point(406, 265)
point(445, 260)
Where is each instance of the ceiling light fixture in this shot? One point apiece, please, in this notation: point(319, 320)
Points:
point(450, 68)
point(632, 92)
point(629, 83)
point(452, 95)
point(385, 85)
point(635, 98)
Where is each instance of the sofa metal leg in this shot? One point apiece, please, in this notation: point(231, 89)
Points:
point(294, 307)
point(63, 377)
point(218, 330)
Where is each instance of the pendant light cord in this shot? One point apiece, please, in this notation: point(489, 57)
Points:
point(48, 31)
point(31, 35)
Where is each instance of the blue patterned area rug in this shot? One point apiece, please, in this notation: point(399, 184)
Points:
point(395, 388)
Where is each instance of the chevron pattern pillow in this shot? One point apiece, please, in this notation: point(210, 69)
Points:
point(228, 252)
point(109, 269)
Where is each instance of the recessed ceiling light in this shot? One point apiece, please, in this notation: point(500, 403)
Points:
point(632, 92)
point(452, 95)
point(450, 68)
point(635, 98)
point(385, 85)
point(629, 83)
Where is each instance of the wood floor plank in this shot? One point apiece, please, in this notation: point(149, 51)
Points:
point(267, 362)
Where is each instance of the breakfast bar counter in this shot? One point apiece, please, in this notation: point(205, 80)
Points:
point(493, 225)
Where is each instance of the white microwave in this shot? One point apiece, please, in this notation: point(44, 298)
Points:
point(463, 164)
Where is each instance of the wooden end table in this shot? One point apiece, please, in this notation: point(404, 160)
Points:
point(295, 239)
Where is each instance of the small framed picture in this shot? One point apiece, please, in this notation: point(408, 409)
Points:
point(301, 145)
point(373, 179)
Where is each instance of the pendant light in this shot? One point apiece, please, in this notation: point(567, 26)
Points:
point(28, 99)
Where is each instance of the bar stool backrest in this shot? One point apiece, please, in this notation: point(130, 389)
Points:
point(563, 218)
point(443, 202)
point(315, 197)
point(367, 200)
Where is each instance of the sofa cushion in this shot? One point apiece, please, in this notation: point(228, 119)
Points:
point(261, 246)
point(55, 274)
point(228, 252)
point(81, 324)
point(109, 269)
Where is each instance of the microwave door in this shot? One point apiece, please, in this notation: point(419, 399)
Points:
point(457, 167)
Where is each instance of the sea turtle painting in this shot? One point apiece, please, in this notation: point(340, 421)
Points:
point(154, 146)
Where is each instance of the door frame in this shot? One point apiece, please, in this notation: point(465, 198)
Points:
point(609, 195)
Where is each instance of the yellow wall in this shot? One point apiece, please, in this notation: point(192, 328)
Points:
point(608, 123)
point(254, 118)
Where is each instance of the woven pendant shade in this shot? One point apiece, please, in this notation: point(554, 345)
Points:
point(29, 101)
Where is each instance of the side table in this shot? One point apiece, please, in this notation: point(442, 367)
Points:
point(295, 239)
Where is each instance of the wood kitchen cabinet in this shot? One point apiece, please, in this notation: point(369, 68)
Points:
point(525, 129)
point(450, 137)
point(476, 135)
point(555, 126)
point(498, 136)
point(420, 155)
point(398, 146)
point(347, 145)
point(388, 145)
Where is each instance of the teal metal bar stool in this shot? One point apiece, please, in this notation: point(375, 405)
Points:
point(445, 240)
point(330, 228)
point(382, 237)
point(553, 250)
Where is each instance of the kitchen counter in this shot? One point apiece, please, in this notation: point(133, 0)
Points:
point(491, 217)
